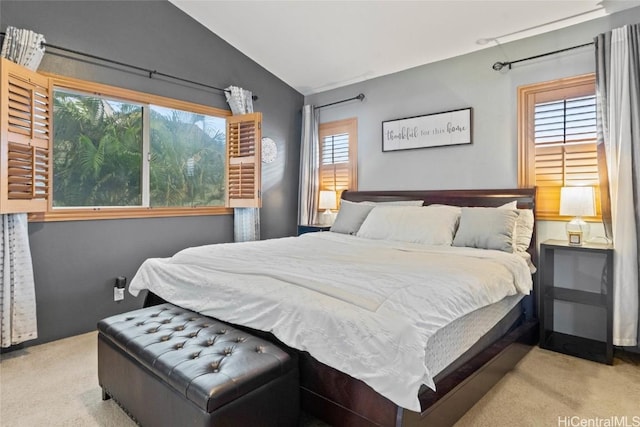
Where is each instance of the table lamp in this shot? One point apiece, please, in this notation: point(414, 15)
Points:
point(327, 202)
point(577, 202)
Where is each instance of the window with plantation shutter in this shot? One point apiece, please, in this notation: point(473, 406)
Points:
point(244, 134)
point(76, 150)
point(338, 155)
point(557, 140)
point(24, 139)
point(119, 153)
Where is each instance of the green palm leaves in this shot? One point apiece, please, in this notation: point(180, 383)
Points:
point(98, 154)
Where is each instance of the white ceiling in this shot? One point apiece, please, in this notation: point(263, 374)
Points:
point(318, 45)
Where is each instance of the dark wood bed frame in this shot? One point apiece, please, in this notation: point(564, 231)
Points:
point(341, 400)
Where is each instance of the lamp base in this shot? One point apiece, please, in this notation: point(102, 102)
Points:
point(326, 217)
point(577, 231)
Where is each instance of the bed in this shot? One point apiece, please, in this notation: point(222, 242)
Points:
point(336, 349)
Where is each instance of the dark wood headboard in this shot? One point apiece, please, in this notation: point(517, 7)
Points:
point(490, 198)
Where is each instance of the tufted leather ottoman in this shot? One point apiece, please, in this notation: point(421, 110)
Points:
point(167, 366)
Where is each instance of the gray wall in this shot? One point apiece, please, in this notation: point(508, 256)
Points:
point(460, 82)
point(76, 262)
point(491, 161)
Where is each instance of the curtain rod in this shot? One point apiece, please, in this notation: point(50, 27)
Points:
point(148, 71)
point(360, 97)
point(500, 65)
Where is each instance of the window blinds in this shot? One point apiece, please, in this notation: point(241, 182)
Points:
point(564, 135)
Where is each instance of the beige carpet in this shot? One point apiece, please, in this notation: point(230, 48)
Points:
point(547, 387)
point(56, 384)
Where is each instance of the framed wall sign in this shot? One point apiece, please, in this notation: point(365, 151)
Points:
point(430, 130)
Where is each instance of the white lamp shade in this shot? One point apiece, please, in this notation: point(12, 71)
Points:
point(577, 201)
point(327, 200)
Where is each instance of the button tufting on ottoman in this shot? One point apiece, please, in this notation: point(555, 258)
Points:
point(167, 366)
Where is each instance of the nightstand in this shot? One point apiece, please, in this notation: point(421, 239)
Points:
point(312, 228)
point(587, 281)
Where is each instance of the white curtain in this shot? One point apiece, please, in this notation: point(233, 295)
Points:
point(17, 287)
point(246, 221)
point(309, 158)
point(17, 292)
point(24, 47)
point(618, 97)
point(240, 100)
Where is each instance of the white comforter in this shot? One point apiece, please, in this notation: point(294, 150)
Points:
point(364, 307)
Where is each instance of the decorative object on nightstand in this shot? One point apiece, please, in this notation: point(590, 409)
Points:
point(327, 202)
point(575, 293)
point(312, 228)
point(577, 202)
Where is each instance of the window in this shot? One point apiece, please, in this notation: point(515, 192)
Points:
point(186, 158)
point(98, 159)
point(97, 151)
point(119, 153)
point(557, 139)
point(338, 155)
point(74, 150)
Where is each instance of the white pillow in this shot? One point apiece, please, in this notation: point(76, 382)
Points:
point(523, 231)
point(352, 214)
point(398, 203)
point(513, 205)
point(438, 205)
point(486, 228)
point(414, 224)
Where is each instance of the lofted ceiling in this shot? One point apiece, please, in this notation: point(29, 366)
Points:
point(319, 45)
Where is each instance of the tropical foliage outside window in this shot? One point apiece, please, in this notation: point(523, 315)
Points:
point(114, 153)
point(97, 151)
point(187, 158)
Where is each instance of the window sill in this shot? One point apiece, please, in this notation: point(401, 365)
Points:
point(93, 214)
point(556, 217)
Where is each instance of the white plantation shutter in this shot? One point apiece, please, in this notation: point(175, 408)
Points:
point(560, 139)
point(24, 139)
point(338, 155)
point(243, 160)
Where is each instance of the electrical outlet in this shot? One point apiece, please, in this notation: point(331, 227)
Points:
point(118, 294)
point(118, 289)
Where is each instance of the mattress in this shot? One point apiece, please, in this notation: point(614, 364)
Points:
point(456, 338)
